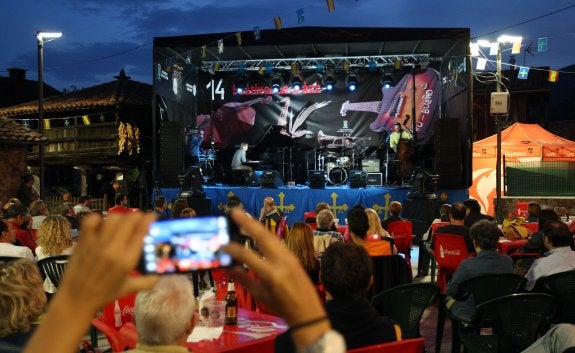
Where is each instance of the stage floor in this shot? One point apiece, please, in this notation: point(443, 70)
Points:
point(295, 200)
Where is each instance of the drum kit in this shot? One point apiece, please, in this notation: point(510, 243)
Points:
point(337, 156)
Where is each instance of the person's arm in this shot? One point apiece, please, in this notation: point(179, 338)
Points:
point(283, 284)
point(97, 273)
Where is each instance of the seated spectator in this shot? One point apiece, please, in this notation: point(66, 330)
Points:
point(558, 258)
point(54, 239)
point(22, 300)
point(559, 339)
point(7, 240)
point(325, 225)
point(474, 212)
point(188, 212)
point(425, 244)
point(164, 315)
point(83, 204)
point(456, 226)
point(160, 207)
point(394, 214)
point(39, 211)
point(358, 224)
point(121, 204)
point(233, 202)
point(66, 209)
point(300, 243)
point(103, 254)
point(375, 230)
point(178, 206)
point(485, 235)
point(535, 242)
point(533, 211)
point(19, 217)
point(270, 215)
point(346, 276)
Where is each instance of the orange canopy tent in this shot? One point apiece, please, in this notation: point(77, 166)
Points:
point(519, 143)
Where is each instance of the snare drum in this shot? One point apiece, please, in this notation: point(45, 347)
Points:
point(337, 176)
point(344, 161)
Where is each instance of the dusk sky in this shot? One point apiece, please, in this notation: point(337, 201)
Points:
point(101, 37)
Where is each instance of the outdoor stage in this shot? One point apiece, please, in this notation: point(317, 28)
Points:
point(295, 200)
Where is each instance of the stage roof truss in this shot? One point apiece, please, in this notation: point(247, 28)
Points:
point(308, 64)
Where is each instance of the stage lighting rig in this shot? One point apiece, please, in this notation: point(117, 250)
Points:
point(387, 81)
point(240, 85)
point(329, 82)
point(296, 83)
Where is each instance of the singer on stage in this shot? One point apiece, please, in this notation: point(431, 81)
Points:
point(194, 140)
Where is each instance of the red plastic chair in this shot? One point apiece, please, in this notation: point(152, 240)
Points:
point(532, 226)
point(412, 345)
point(402, 234)
point(307, 216)
point(449, 251)
point(107, 322)
point(128, 335)
point(436, 225)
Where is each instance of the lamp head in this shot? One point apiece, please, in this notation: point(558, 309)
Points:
point(41, 35)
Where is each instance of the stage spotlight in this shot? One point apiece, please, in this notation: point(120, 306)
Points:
point(352, 82)
point(328, 82)
point(276, 84)
point(387, 81)
point(296, 83)
point(240, 86)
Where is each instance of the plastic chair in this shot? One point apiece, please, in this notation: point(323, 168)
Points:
point(110, 324)
point(412, 345)
point(562, 286)
point(53, 267)
point(483, 288)
point(388, 271)
point(128, 335)
point(402, 234)
point(405, 305)
point(532, 226)
point(518, 320)
point(449, 251)
point(309, 217)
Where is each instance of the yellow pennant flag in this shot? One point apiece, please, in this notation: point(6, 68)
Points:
point(345, 66)
point(516, 47)
point(278, 22)
point(239, 38)
point(330, 5)
point(553, 76)
point(203, 51)
point(261, 70)
point(46, 124)
point(86, 119)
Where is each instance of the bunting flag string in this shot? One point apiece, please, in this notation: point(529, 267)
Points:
point(300, 16)
point(69, 121)
point(553, 76)
point(239, 38)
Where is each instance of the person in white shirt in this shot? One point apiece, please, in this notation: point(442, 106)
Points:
point(83, 204)
point(560, 258)
point(7, 239)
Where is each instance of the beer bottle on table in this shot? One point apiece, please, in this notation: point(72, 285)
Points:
point(231, 304)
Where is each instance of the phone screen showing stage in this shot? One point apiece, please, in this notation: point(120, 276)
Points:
point(186, 244)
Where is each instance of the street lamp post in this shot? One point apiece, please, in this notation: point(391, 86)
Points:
point(40, 36)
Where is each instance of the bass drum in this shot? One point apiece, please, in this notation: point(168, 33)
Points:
point(337, 176)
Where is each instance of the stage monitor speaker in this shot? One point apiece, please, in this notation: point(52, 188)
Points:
point(317, 179)
point(449, 161)
point(374, 179)
point(371, 165)
point(358, 179)
point(271, 179)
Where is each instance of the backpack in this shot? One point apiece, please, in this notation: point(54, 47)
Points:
point(514, 229)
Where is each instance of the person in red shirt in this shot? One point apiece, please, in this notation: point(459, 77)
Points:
point(18, 215)
point(121, 204)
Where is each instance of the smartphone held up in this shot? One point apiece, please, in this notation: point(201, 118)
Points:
point(186, 244)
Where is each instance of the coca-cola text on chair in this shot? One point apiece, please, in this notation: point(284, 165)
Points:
point(402, 234)
point(449, 250)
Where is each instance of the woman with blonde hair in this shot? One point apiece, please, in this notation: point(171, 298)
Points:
point(300, 242)
point(22, 301)
point(376, 231)
point(54, 239)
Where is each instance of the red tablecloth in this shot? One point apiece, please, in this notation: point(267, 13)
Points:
point(505, 246)
point(255, 332)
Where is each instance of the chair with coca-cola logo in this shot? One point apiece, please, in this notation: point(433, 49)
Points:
point(114, 315)
point(402, 234)
point(449, 250)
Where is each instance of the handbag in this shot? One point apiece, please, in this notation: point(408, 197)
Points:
point(514, 229)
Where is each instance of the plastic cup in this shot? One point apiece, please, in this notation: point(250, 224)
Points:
point(217, 309)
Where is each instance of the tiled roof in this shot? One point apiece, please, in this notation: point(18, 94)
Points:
point(122, 91)
point(13, 133)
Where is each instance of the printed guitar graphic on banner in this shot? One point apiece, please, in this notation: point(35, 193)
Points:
point(230, 119)
point(397, 103)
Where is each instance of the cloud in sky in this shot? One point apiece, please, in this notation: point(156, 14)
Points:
point(103, 36)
